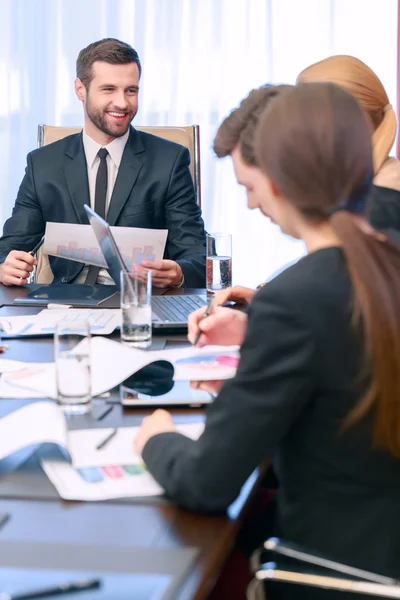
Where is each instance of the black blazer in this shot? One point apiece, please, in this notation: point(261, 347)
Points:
point(384, 208)
point(293, 389)
point(154, 189)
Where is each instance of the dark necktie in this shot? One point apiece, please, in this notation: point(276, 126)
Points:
point(100, 197)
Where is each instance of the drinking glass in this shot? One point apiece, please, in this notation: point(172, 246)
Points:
point(136, 308)
point(72, 358)
point(219, 261)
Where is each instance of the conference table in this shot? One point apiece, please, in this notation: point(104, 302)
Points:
point(153, 527)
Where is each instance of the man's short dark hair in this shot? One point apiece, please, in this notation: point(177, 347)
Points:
point(240, 125)
point(109, 50)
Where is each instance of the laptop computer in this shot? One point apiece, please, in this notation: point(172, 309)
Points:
point(168, 312)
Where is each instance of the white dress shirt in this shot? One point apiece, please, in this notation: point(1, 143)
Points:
point(115, 151)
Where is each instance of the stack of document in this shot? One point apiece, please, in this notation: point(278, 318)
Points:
point(102, 321)
point(87, 473)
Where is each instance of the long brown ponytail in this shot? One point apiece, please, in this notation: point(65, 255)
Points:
point(314, 144)
point(374, 267)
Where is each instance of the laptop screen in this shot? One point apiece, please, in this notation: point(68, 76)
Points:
point(109, 248)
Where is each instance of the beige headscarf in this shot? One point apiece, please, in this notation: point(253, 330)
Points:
point(358, 79)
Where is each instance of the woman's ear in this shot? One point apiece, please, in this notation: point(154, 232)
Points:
point(274, 189)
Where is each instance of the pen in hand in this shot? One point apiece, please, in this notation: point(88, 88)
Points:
point(62, 588)
point(35, 249)
point(205, 314)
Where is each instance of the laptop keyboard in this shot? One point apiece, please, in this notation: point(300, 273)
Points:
point(176, 309)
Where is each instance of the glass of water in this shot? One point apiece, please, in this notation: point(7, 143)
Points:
point(72, 358)
point(219, 261)
point(136, 308)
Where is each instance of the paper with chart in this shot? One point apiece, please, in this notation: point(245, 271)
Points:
point(102, 321)
point(79, 243)
point(112, 363)
point(115, 471)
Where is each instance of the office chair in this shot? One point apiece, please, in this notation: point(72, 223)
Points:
point(322, 574)
point(188, 136)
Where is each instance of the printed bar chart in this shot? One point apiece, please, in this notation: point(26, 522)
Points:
point(78, 243)
point(95, 256)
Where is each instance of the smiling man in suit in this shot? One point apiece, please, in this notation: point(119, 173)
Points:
point(132, 178)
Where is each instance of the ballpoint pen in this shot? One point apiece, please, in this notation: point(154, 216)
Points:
point(104, 413)
point(57, 590)
point(36, 248)
point(205, 314)
point(105, 441)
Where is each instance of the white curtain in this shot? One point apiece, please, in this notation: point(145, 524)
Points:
point(200, 58)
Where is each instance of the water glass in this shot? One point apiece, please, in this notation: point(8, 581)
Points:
point(219, 261)
point(72, 358)
point(136, 308)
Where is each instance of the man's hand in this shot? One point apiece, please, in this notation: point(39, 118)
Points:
point(164, 273)
point(159, 422)
point(17, 267)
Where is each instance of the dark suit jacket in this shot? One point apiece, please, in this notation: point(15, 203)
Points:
point(154, 189)
point(384, 208)
point(295, 384)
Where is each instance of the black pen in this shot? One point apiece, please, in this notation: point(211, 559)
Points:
point(205, 314)
point(57, 590)
point(104, 413)
point(3, 519)
point(33, 252)
point(105, 441)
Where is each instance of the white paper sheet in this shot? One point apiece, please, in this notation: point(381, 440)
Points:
point(36, 423)
point(27, 380)
point(71, 486)
point(102, 321)
point(119, 450)
point(79, 243)
point(121, 468)
point(116, 481)
point(113, 362)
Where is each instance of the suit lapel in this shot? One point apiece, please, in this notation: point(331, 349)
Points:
point(76, 175)
point(128, 172)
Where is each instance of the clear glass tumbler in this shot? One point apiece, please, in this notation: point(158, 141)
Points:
point(136, 308)
point(72, 359)
point(219, 261)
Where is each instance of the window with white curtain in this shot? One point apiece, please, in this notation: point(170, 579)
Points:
point(200, 58)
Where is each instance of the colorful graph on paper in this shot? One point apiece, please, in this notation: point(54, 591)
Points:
point(79, 243)
point(94, 255)
point(97, 474)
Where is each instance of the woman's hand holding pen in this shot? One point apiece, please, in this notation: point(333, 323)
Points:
point(223, 327)
point(237, 293)
point(211, 387)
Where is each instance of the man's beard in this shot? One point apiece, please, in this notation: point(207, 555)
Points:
point(98, 118)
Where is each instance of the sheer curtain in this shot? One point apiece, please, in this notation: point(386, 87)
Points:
point(200, 58)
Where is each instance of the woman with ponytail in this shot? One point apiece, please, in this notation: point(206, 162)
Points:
point(357, 78)
point(317, 388)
